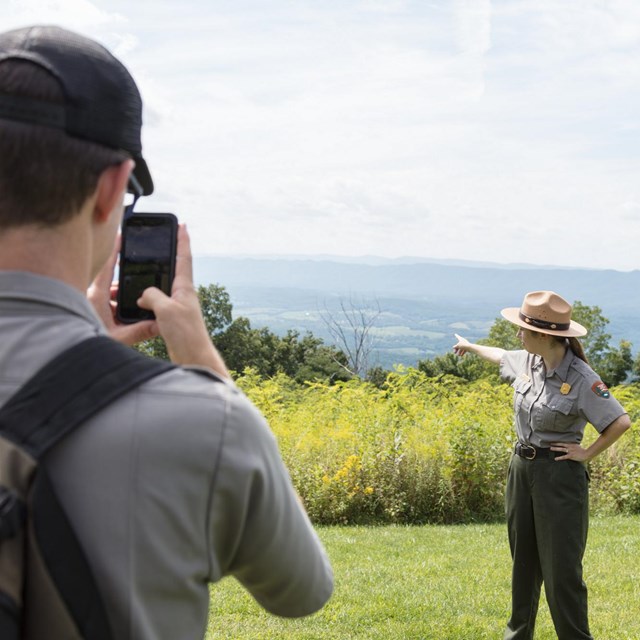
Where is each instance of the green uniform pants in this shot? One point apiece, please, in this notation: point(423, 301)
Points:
point(547, 507)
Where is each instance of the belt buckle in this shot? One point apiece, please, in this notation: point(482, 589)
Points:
point(525, 448)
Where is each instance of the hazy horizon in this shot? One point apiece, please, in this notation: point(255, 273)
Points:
point(373, 259)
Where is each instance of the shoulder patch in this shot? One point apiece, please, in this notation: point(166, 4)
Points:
point(600, 389)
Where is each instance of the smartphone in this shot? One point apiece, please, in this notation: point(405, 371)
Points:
point(147, 259)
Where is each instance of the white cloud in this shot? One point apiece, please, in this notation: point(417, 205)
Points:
point(505, 130)
point(473, 26)
point(73, 14)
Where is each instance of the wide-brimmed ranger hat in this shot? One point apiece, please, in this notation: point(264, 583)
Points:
point(545, 312)
point(102, 102)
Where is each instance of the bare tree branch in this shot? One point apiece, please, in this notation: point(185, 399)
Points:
point(350, 329)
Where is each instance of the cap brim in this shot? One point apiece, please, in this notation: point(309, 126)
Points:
point(512, 314)
point(141, 172)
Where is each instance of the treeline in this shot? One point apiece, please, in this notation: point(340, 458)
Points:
point(306, 358)
point(301, 357)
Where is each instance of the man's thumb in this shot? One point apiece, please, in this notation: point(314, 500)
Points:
point(151, 299)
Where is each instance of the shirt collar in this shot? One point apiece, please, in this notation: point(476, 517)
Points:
point(562, 370)
point(29, 287)
point(538, 362)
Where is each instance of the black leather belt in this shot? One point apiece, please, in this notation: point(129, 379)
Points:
point(529, 452)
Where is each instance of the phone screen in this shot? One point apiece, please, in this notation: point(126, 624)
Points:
point(147, 259)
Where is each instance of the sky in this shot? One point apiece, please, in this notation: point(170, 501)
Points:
point(489, 130)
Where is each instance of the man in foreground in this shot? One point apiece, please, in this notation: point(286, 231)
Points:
point(180, 482)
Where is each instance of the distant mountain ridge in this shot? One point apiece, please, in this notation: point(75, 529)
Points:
point(422, 300)
point(382, 261)
point(503, 285)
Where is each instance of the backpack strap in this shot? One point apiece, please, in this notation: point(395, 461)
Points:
point(70, 389)
point(60, 397)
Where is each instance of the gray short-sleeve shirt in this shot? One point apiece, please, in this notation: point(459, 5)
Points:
point(174, 486)
point(555, 406)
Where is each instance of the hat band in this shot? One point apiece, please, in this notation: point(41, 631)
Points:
point(543, 324)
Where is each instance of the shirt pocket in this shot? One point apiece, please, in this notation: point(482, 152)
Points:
point(556, 414)
point(521, 388)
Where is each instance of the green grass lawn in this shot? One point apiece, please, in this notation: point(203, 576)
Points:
point(438, 583)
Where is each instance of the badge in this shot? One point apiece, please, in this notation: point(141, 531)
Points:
point(565, 388)
point(600, 389)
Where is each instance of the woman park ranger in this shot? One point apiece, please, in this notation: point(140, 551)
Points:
point(556, 394)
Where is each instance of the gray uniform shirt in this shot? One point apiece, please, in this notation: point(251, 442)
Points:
point(172, 487)
point(555, 406)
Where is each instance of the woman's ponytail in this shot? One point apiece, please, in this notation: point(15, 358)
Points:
point(576, 347)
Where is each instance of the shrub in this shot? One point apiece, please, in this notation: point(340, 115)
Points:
point(416, 449)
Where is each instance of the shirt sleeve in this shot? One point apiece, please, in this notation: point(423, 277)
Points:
point(512, 364)
point(596, 404)
point(259, 530)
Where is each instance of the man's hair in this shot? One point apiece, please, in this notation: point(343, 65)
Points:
point(45, 174)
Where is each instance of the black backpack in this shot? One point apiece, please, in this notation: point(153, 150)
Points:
point(47, 590)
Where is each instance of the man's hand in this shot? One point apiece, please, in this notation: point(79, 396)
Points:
point(179, 316)
point(102, 294)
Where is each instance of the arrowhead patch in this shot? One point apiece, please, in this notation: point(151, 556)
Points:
point(600, 389)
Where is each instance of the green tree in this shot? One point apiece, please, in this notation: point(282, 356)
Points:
point(502, 334)
point(377, 376)
point(636, 369)
point(242, 346)
point(613, 364)
point(311, 359)
point(616, 364)
point(154, 348)
point(596, 342)
point(216, 308)
point(470, 367)
point(304, 358)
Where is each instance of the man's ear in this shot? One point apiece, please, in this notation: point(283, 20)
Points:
point(112, 183)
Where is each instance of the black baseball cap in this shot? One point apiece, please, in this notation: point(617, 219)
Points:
point(102, 102)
